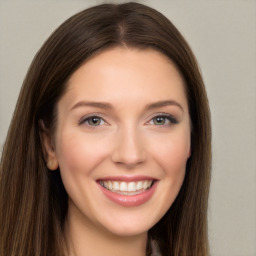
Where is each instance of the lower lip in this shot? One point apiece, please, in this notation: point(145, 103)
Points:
point(130, 201)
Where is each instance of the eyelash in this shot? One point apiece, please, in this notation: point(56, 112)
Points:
point(167, 117)
point(87, 119)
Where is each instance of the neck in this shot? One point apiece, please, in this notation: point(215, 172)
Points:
point(84, 238)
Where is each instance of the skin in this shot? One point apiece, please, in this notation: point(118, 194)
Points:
point(127, 141)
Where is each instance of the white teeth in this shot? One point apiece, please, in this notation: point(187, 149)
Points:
point(123, 186)
point(127, 188)
point(145, 184)
point(110, 185)
point(139, 185)
point(115, 185)
point(131, 186)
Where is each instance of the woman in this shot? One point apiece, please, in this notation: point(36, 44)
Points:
point(109, 148)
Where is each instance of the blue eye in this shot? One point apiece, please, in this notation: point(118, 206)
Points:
point(93, 121)
point(164, 120)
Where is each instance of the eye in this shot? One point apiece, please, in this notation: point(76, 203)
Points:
point(160, 120)
point(93, 121)
point(163, 120)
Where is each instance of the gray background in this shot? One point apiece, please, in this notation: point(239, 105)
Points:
point(223, 37)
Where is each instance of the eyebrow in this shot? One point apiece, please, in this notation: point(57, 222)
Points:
point(164, 103)
point(101, 105)
point(108, 106)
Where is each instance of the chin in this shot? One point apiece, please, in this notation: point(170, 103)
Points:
point(128, 231)
point(130, 225)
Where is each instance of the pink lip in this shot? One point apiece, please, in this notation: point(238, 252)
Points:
point(129, 201)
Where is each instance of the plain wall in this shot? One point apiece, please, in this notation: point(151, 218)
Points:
point(223, 37)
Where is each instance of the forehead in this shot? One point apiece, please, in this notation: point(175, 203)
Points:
point(123, 74)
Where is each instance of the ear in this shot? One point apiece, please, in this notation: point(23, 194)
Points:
point(48, 147)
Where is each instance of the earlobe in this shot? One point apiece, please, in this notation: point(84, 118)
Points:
point(48, 148)
point(52, 164)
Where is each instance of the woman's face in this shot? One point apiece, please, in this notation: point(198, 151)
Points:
point(122, 140)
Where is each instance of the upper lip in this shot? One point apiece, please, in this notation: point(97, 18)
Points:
point(127, 178)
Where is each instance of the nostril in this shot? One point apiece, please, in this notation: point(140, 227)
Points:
point(129, 147)
point(128, 158)
point(128, 162)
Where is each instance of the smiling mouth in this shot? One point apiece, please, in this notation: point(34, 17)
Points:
point(127, 188)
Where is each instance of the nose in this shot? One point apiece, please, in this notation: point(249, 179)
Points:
point(129, 148)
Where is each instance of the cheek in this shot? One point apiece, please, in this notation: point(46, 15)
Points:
point(80, 153)
point(172, 153)
point(79, 156)
point(173, 161)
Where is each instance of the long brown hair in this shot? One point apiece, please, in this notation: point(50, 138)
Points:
point(33, 201)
